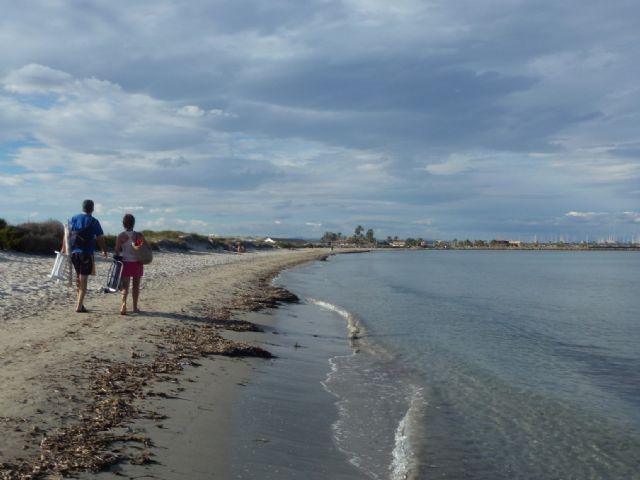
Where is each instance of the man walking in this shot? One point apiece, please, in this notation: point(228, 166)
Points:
point(85, 233)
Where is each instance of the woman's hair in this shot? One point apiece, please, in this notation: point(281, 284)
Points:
point(128, 221)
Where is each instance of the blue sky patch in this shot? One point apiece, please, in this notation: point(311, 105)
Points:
point(44, 102)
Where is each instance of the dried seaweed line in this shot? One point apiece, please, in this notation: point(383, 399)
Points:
point(115, 386)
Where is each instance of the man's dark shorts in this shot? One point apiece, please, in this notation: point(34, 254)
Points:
point(83, 263)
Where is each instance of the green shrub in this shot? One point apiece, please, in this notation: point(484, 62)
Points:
point(42, 237)
point(8, 238)
point(110, 240)
point(288, 245)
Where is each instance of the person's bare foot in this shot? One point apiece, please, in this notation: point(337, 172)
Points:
point(123, 310)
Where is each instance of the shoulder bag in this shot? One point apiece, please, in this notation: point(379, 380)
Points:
point(143, 251)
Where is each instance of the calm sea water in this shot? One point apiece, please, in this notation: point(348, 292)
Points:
point(484, 365)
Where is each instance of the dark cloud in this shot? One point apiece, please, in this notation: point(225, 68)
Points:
point(451, 117)
point(408, 84)
point(626, 151)
point(214, 173)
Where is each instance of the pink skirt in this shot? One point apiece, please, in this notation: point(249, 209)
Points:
point(133, 269)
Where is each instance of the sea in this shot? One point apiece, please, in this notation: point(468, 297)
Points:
point(487, 365)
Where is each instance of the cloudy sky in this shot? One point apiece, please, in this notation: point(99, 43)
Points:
point(425, 118)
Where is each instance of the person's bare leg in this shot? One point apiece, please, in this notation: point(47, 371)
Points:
point(124, 291)
point(135, 293)
point(82, 291)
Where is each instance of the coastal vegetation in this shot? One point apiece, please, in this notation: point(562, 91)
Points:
point(358, 238)
point(46, 237)
point(31, 237)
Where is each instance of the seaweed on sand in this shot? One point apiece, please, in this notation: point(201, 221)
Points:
point(93, 443)
point(100, 438)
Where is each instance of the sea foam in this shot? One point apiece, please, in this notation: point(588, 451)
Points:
point(368, 374)
point(354, 327)
point(404, 458)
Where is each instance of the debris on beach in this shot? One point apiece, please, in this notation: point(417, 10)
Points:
point(114, 389)
point(261, 296)
point(99, 437)
point(189, 342)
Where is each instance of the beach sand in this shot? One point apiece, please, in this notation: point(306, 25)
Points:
point(72, 382)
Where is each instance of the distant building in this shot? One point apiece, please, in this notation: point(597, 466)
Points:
point(398, 243)
point(298, 242)
point(506, 243)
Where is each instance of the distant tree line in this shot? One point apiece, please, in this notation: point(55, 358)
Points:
point(359, 237)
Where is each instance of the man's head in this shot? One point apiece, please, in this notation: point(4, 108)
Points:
point(87, 206)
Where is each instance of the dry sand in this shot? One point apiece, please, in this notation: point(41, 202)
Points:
point(71, 381)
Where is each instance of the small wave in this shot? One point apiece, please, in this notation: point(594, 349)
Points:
point(366, 383)
point(379, 415)
point(353, 326)
point(404, 456)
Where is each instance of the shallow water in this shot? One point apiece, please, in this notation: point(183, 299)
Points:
point(282, 417)
point(483, 365)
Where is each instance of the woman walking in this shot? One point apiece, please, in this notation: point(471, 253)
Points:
point(133, 270)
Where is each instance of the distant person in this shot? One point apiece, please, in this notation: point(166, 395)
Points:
point(85, 232)
point(133, 270)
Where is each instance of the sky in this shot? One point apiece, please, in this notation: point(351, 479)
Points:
point(440, 119)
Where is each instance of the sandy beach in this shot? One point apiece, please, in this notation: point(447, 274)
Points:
point(73, 382)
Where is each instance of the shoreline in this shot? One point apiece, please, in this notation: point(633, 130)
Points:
point(73, 382)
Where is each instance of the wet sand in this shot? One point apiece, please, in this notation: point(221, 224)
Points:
point(251, 418)
point(72, 383)
point(284, 419)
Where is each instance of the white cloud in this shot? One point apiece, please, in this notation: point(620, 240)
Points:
point(632, 216)
point(35, 78)
point(585, 214)
point(160, 223)
point(424, 221)
point(597, 166)
point(454, 165)
point(127, 209)
point(11, 180)
point(606, 217)
point(216, 112)
point(191, 111)
point(162, 210)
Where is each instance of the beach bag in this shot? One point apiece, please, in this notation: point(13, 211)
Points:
point(142, 251)
point(81, 238)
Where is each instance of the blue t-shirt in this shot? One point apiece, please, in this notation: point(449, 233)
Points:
point(80, 221)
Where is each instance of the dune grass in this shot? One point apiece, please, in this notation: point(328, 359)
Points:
point(46, 237)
